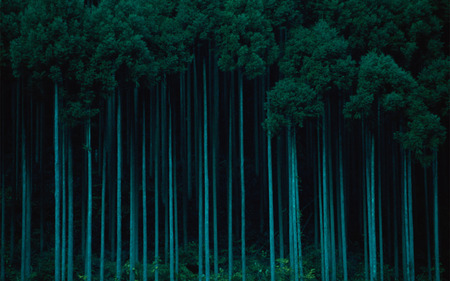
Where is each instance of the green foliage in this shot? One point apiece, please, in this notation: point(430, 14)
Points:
point(318, 56)
point(245, 38)
point(379, 78)
point(289, 103)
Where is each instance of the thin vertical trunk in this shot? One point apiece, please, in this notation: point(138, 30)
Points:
point(320, 193)
point(380, 217)
point(88, 272)
point(119, 188)
point(70, 210)
point(175, 202)
point(365, 181)
point(437, 272)
point(297, 212)
point(371, 209)
point(271, 223)
point(293, 253)
point(199, 171)
point(342, 201)
point(64, 206)
point(230, 180)
point(102, 230)
point(326, 234)
point(144, 199)
point(395, 184)
point(427, 224)
point(241, 168)
point(2, 182)
point(405, 225)
point(410, 217)
point(280, 199)
point(205, 166)
point(23, 267)
point(156, 172)
point(133, 219)
point(171, 234)
point(57, 190)
point(215, 128)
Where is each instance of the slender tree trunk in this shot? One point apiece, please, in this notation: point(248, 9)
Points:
point(144, 199)
point(2, 182)
point(88, 272)
point(271, 222)
point(215, 128)
point(372, 231)
point(326, 234)
point(156, 172)
point(230, 180)
point(119, 188)
point(205, 165)
point(70, 210)
point(241, 167)
point(133, 219)
point(427, 224)
point(342, 201)
point(102, 231)
point(23, 267)
point(171, 220)
point(64, 205)
point(436, 218)
point(280, 199)
point(57, 190)
point(410, 218)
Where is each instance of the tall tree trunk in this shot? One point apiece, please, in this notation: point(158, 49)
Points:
point(271, 223)
point(133, 219)
point(241, 168)
point(102, 230)
point(57, 190)
point(427, 224)
point(205, 165)
point(342, 199)
point(436, 218)
point(88, 271)
point(326, 234)
point(215, 130)
point(119, 188)
point(64, 206)
point(280, 199)
point(2, 182)
point(230, 179)
point(23, 267)
point(410, 217)
point(144, 199)
point(171, 233)
point(371, 211)
point(70, 210)
point(156, 172)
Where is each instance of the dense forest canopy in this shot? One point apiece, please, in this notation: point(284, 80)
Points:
point(224, 140)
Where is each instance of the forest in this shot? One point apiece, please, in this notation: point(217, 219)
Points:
point(224, 140)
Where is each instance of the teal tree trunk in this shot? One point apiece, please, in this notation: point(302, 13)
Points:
point(271, 222)
point(102, 230)
point(144, 200)
point(230, 179)
point(156, 174)
point(88, 270)
point(70, 209)
point(171, 215)
point(119, 188)
point(436, 218)
point(241, 169)
point(57, 189)
point(205, 166)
